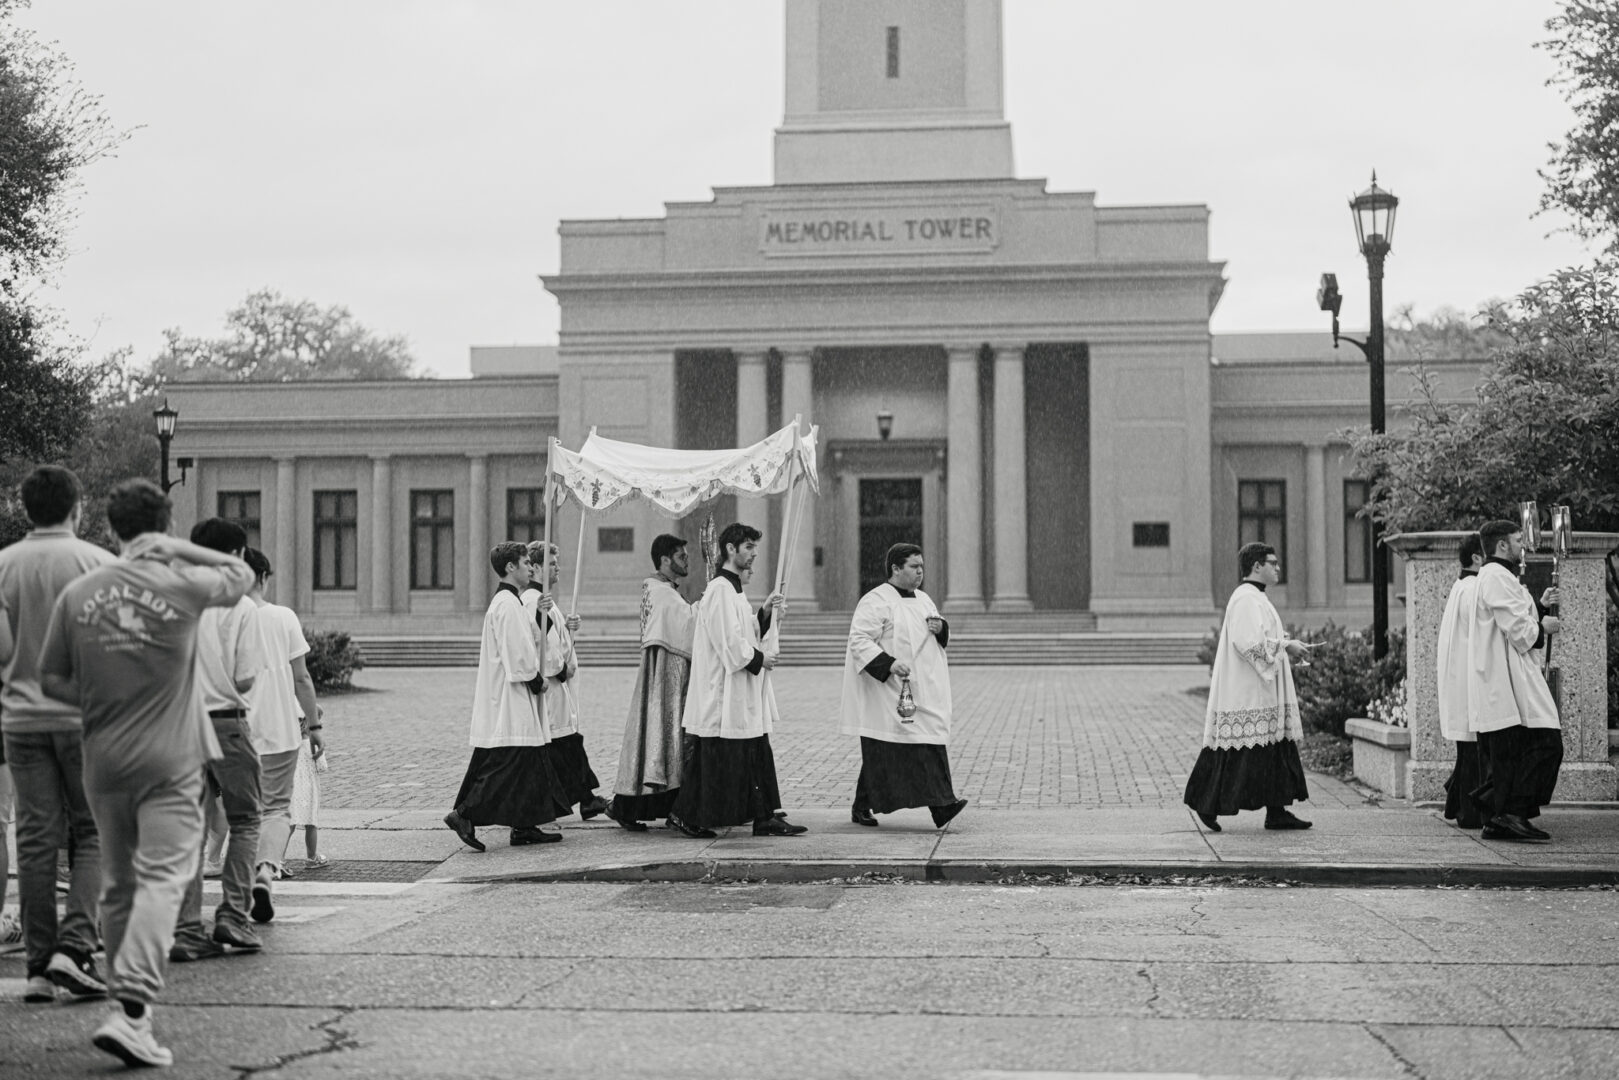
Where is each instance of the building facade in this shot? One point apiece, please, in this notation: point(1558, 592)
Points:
point(1022, 380)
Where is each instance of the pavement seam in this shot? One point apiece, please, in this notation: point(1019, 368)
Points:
point(1405, 1063)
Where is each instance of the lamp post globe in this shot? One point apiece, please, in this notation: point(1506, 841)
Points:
point(1374, 211)
point(165, 418)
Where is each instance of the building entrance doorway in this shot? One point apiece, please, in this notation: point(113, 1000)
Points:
point(890, 513)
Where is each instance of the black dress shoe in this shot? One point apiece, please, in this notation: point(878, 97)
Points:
point(595, 806)
point(1493, 832)
point(631, 824)
point(942, 815)
point(1210, 822)
point(861, 816)
point(685, 828)
point(524, 837)
point(464, 830)
point(775, 826)
point(1285, 820)
point(1517, 827)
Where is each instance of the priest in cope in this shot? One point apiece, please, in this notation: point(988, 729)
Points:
point(897, 635)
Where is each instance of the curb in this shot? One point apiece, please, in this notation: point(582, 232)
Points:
point(974, 871)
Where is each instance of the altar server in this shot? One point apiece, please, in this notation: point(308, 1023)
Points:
point(1455, 631)
point(510, 779)
point(562, 675)
point(1251, 729)
point(897, 634)
point(1510, 707)
point(649, 759)
point(729, 773)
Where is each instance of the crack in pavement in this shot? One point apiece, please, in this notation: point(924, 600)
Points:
point(1511, 1037)
point(1145, 971)
point(337, 1041)
point(548, 984)
point(1405, 1063)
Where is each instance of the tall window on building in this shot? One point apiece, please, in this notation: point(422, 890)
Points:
point(1262, 515)
point(893, 52)
point(242, 508)
point(432, 539)
point(336, 550)
point(525, 514)
point(1357, 533)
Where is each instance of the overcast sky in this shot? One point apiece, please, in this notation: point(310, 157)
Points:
point(411, 158)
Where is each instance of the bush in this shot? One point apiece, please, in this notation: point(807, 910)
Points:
point(1613, 666)
point(333, 658)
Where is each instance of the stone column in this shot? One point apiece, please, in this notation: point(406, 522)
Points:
point(1315, 525)
point(1580, 651)
point(479, 571)
point(1011, 486)
point(798, 398)
point(752, 425)
point(382, 526)
point(286, 531)
point(964, 531)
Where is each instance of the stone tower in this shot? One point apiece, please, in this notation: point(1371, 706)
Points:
point(893, 90)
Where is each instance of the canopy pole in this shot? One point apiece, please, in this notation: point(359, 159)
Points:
point(545, 565)
point(579, 556)
point(798, 527)
point(787, 511)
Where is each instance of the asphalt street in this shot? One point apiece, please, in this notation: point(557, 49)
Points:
point(849, 979)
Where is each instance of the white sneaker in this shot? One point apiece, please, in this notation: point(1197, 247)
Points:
point(131, 1041)
point(40, 990)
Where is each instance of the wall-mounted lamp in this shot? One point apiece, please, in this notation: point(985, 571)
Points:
point(885, 424)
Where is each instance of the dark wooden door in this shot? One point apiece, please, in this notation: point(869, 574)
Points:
point(890, 513)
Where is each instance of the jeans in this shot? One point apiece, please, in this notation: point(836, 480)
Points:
point(237, 775)
point(275, 797)
point(151, 843)
point(48, 770)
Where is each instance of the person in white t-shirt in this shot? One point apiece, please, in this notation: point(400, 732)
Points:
point(278, 703)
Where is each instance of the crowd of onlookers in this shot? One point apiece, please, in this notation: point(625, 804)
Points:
point(154, 704)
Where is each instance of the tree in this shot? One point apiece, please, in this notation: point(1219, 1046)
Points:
point(1582, 178)
point(1544, 424)
point(273, 339)
point(50, 129)
point(1447, 334)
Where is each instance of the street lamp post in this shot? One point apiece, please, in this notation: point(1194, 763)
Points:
point(165, 418)
point(1374, 231)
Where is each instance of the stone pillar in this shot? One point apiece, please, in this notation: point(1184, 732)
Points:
point(1580, 651)
point(479, 572)
point(798, 398)
point(382, 534)
point(964, 532)
point(1315, 524)
point(752, 425)
point(286, 531)
point(1011, 520)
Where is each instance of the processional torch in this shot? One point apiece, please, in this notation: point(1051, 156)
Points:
point(1562, 533)
point(1529, 526)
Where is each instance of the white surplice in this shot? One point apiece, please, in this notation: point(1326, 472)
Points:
point(1252, 700)
point(561, 694)
point(887, 622)
point(725, 699)
point(1506, 687)
point(504, 712)
point(1455, 633)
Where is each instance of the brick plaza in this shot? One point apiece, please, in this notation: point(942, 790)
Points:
point(1023, 737)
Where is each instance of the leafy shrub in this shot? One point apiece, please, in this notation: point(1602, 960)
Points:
point(1613, 666)
point(333, 658)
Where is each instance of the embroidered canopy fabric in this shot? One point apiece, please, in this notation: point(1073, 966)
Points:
point(604, 473)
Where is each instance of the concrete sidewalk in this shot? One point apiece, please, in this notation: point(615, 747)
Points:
point(1368, 845)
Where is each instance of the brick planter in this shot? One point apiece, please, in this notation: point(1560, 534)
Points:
point(1381, 753)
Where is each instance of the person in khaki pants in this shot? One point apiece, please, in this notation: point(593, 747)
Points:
point(121, 648)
